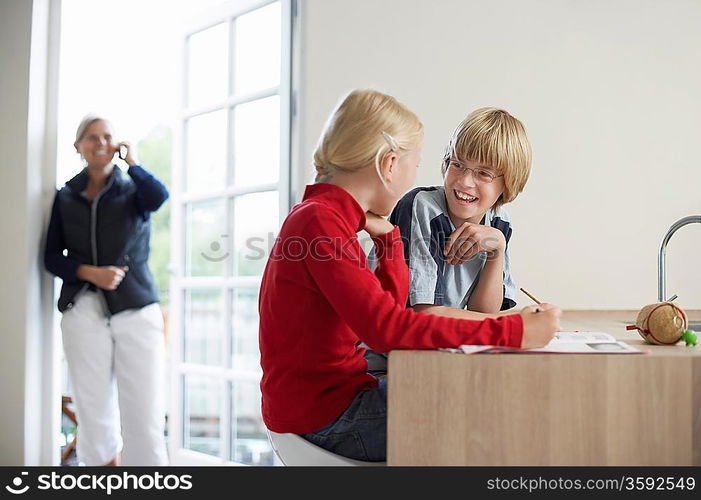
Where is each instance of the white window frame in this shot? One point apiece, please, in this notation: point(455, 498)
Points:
point(180, 200)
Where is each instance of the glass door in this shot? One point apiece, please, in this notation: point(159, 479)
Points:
point(230, 193)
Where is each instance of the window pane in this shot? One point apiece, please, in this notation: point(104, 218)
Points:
point(257, 142)
point(206, 152)
point(201, 401)
point(204, 324)
point(257, 54)
point(207, 241)
point(255, 227)
point(244, 321)
point(249, 441)
point(208, 66)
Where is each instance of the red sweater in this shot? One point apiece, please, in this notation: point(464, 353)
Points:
point(319, 300)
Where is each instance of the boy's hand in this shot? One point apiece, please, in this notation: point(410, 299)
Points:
point(540, 324)
point(376, 225)
point(469, 239)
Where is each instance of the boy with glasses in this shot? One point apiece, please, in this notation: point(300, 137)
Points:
point(456, 236)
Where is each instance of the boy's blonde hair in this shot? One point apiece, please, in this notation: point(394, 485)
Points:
point(366, 126)
point(493, 137)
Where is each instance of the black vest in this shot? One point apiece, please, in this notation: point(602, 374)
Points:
point(109, 231)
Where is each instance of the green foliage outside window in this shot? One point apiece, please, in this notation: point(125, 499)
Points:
point(155, 155)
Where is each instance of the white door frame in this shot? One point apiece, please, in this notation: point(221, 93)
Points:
point(179, 282)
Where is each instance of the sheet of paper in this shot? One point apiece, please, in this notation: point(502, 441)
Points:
point(583, 337)
point(564, 343)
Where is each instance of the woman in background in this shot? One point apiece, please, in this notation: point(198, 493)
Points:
point(112, 324)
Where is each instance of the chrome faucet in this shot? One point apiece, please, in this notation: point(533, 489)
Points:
point(661, 264)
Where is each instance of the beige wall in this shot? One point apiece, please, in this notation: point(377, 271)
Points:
point(29, 412)
point(608, 91)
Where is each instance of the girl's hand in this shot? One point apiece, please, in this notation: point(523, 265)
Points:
point(376, 225)
point(540, 324)
point(129, 158)
point(470, 239)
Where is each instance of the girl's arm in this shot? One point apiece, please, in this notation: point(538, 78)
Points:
point(389, 266)
point(375, 315)
point(391, 270)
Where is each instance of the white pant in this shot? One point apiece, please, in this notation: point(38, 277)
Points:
point(126, 353)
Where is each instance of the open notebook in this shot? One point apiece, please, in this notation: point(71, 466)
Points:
point(563, 343)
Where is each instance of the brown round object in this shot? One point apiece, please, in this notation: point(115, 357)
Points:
point(662, 323)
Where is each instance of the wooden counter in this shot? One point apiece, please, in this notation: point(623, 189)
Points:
point(548, 409)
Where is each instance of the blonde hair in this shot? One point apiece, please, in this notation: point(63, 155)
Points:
point(365, 127)
point(88, 120)
point(493, 137)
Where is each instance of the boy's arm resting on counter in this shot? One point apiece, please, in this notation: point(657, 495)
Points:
point(426, 283)
point(453, 312)
point(377, 317)
point(488, 295)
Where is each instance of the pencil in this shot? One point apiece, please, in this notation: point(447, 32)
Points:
point(531, 296)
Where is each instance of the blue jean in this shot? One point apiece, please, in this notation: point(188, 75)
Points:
point(361, 430)
point(377, 363)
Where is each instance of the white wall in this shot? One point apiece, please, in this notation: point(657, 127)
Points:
point(30, 405)
point(608, 92)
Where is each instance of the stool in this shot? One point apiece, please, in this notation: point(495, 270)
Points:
point(65, 409)
point(294, 450)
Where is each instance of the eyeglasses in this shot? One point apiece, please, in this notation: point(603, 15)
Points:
point(480, 175)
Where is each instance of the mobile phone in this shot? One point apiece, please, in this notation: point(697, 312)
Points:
point(122, 151)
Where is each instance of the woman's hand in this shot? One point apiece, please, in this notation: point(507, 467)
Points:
point(129, 157)
point(105, 277)
point(470, 239)
point(376, 225)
